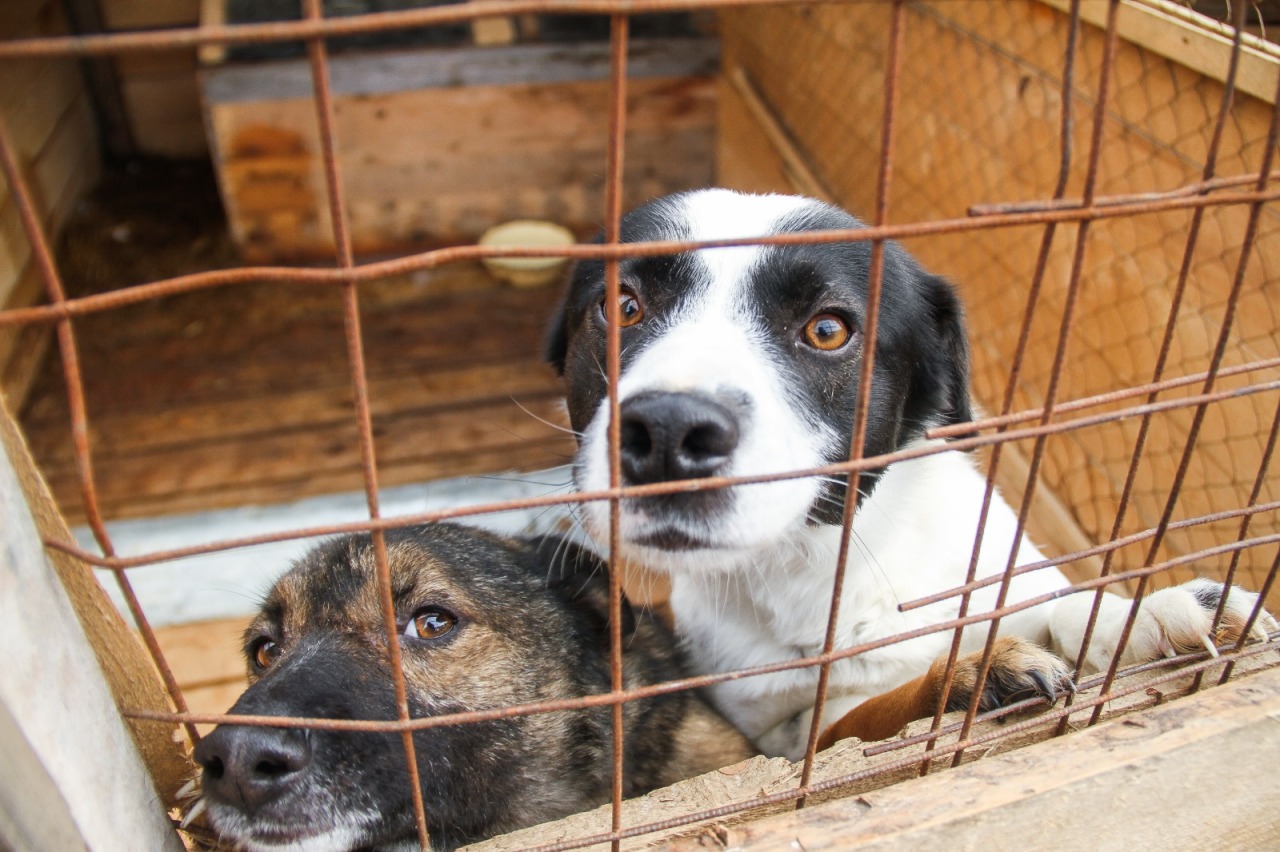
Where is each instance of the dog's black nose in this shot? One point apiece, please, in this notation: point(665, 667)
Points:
point(250, 767)
point(668, 436)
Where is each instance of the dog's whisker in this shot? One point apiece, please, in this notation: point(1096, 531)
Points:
point(197, 808)
point(545, 421)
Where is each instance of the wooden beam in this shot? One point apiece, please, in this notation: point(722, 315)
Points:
point(57, 708)
point(130, 676)
point(1191, 39)
point(796, 165)
point(448, 68)
point(1022, 787)
point(1194, 773)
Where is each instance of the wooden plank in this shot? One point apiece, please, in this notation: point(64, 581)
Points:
point(23, 348)
point(130, 676)
point(462, 67)
point(1191, 39)
point(149, 14)
point(205, 652)
point(63, 168)
point(1011, 764)
point(162, 100)
point(286, 465)
point(1135, 779)
point(509, 460)
point(127, 432)
point(414, 179)
point(63, 171)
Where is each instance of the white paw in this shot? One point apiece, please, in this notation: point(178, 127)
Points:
point(1177, 620)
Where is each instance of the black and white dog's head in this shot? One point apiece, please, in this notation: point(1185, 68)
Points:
point(746, 361)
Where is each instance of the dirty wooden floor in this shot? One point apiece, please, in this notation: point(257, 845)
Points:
point(242, 395)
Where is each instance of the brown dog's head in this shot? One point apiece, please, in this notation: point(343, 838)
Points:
point(483, 622)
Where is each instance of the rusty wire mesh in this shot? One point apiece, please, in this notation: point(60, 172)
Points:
point(1148, 409)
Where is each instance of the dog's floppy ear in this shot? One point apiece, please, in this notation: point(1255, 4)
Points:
point(943, 374)
point(558, 339)
point(582, 578)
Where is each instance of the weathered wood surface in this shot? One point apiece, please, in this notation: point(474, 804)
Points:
point(438, 146)
point(47, 115)
point(1000, 788)
point(1197, 773)
point(243, 395)
point(128, 671)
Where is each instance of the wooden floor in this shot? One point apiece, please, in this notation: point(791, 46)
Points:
point(243, 395)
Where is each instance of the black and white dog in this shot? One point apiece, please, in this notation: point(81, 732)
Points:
point(746, 361)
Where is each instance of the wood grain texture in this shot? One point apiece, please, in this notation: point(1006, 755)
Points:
point(445, 162)
point(1135, 781)
point(243, 396)
point(47, 115)
point(129, 672)
point(1009, 772)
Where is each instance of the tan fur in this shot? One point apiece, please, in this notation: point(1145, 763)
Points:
point(529, 623)
point(705, 740)
point(1019, 669)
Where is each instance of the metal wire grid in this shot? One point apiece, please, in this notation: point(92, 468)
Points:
point(1195, 393)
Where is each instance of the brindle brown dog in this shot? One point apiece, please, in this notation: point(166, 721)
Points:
point(485, 622)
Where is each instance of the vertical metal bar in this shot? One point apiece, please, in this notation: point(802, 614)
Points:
point(893, 70)
point(78, 411)
point(1197, 420)
point(618, 38)
point(1166, 345)
point(1253, 616)
point(1065, 130)
point(1264, 468)
point(317, 55)
point(1059, 359)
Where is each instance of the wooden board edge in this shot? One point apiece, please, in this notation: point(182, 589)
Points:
point(1190, 39)
point(129, 672)
point(55, 690)
point(1175, 765)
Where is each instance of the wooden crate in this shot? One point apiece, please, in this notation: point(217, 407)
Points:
point(798, 109)
point(438, 145)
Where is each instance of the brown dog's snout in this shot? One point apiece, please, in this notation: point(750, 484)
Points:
point(667, 436)
point(250, 767)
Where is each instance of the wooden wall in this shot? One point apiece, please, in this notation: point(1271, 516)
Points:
point(158, 88)
point(437, 147)
point(978, 123)
point(46, 110)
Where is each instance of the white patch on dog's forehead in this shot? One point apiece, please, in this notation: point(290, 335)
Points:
point(722, 214)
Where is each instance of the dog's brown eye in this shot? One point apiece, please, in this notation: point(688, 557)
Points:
point(826, 332)
point(630, 311)
point(264, 652)
point(430, 623)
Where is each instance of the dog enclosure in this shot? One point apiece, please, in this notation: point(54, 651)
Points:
point(1095, 176)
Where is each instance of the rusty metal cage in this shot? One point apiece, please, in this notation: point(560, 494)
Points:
point(1166, 453)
